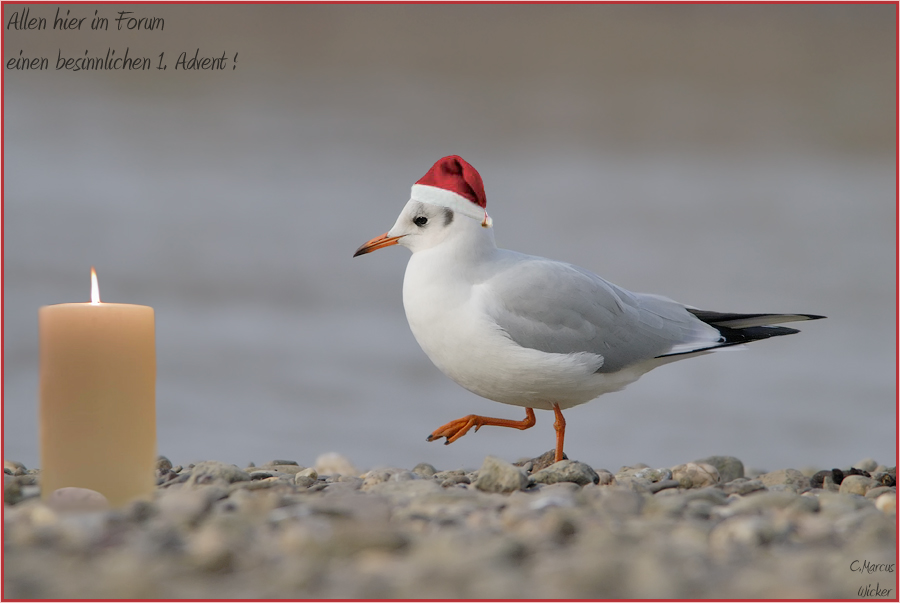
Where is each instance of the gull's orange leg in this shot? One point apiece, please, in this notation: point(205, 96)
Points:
point(560, 426)
point(458, 428)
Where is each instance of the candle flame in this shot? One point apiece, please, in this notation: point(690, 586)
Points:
point(95, 288)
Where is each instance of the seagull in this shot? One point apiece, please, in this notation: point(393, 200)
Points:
point(529, 331)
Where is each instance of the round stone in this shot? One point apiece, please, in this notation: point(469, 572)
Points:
point(857, 484)
point(887, 503)
point(497, 475)
point(332, 463)
point(567, 471)
point(867, 465)
point(695, 475)
point(730, 468)
point(77, 499)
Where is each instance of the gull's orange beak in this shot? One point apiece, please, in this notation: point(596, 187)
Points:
point(377, 243)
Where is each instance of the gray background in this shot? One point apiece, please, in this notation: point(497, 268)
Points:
point(735, 158)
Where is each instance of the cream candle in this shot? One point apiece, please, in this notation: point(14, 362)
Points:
point(98, 398)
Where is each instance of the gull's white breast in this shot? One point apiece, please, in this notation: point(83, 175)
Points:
point(448, 304)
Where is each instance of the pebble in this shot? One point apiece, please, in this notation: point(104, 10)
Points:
point(654, 475)
point(560, 494)
point(742, 486)
point(304, 481)
point(402, 476)
point(729, 467)
point(632, 470)
point(72, 499)
point(539, 462)
point(695, 475)
point(207, 472)
point(332, 463)
point(453, 480)
point(279, 462)
point(833, 504)
point(26, 479)
point(887, 503)
point(867, 465)
point(616, 502)
point(566, 471)
point(635, 483)
point(309, 472)
point(30, 492)
point(370, 478)
point(884, 478)
point(497, 475)
point(856, 471)
point(829, 484)
point(441, 475)
point(185, 507)
point(13, 467)
point(348, 481)
point(605, 478)
point(424, 470)
point(209, 550)
point(12, 490)
point(743, 532)
point(663, 485)
point(403, 492)
point(834, 476)
point(283, 531)
point(278, 467)
point(766, 502)
point(857, 484)
point(790, 478)
point(878, 491)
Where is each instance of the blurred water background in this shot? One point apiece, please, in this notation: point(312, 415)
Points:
point(734, 157)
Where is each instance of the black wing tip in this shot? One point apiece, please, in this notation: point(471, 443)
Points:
point(748, 334)
point(715, 318)
point(731, 337)
point(742, 335)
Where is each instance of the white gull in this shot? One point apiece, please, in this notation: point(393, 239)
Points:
point(528, 331)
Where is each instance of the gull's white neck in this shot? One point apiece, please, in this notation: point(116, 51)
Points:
point(440, 279)
point(467, 247)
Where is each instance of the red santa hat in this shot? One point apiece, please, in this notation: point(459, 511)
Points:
point(453, 183)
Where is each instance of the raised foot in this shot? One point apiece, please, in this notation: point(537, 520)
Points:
point(458, 428)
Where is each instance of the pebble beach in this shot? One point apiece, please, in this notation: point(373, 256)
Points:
point(533, 529)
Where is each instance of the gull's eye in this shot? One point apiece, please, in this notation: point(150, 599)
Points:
point(420, 221)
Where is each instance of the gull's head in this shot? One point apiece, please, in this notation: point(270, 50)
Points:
point(444, 201)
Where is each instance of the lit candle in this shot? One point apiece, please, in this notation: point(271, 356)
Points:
point(98, 398)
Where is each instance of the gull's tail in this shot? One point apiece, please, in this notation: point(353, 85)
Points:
point(736, 329)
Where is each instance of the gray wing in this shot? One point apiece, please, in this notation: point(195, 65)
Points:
point(560, 308)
